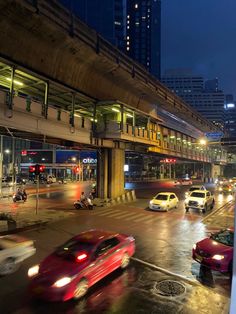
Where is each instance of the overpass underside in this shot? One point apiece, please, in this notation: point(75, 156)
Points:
point(62, 83)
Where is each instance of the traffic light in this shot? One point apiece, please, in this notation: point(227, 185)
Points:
point(37, 169)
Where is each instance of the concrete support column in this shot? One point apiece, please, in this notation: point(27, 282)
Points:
point(110, 173)
point(116, 174)
point(102, 173)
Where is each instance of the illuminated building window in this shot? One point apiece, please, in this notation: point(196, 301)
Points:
point(127, 26)
point(127, 48)
point(128, 37)
point(136, 6)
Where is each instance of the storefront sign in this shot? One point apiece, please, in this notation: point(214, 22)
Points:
point(89, 160)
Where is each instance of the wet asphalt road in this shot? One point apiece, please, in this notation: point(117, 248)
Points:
point(163, 239)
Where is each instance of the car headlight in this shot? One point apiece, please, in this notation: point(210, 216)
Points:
point(62, 282)
point(186, 194)
point(218, 257)
point(201, 203)
point(33, 271)
point(151, 202)
point(220, 189)
point(194, 246)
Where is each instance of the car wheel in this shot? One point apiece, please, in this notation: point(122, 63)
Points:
point(81, 289)
point(204, 209)
point(125, 261)
point(212, 205)
point(9, 266)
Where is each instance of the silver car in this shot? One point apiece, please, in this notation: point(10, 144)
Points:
point(13, 250)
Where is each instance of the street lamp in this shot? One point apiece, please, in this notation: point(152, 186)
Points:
point(7, 151)
point(203, 142)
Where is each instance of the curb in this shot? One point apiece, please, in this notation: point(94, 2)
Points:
point(26, 228)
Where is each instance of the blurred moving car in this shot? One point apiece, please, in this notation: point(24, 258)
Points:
point(226, 188)
point(199, 199)
point(216, 252)
point(13, 250)
point(183, 182)
point(194, 188)
point(164, 201)
point(51, 179)
point(80, 263)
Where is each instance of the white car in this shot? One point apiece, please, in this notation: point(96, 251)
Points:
point(13, 250)
point(194, 188)
point(164, 201)
point(199, 199)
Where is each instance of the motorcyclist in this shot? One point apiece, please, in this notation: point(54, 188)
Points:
point(83, 199)
point(24, 195)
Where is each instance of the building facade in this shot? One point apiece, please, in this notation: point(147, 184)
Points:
point(134, 26)
point(205, 97)
point(230, 116)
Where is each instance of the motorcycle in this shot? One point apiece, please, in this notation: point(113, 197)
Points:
point(19, 197)
point(87, 204)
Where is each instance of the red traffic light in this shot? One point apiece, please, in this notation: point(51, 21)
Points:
point(36, 169)
point(32, 169)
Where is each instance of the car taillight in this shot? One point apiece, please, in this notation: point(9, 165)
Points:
point(81, 257)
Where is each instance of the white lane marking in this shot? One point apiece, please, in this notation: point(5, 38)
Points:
point(217, 210)
point(163, 270)
point(144, 218)
point(109, 213)
point(118, 216)
point(103, 211)
point(136, 216)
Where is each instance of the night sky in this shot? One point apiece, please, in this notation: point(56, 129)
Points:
point(201, 35)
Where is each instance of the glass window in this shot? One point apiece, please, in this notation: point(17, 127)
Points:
point(225, 237)
point(162, 197)
point(197, 194)
point(106, 245)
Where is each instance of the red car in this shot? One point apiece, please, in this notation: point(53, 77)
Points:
point(183, 182)
point(216, 252)
point(79, 263)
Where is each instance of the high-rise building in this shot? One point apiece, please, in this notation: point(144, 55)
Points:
point(206, 98)
point(134, 26)
point(143, 41)
point(230, 116)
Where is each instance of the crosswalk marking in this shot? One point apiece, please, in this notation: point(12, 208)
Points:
point(103, 211)
point(144, 218)
point(123, 215)
point(110, 213)
point(135, 216)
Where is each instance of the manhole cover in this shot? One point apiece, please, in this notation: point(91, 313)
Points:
point(169, 288)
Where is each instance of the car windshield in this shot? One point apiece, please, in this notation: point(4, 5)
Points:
point(193, 188)
point(72, 248)
point(198, 194)
point(162, 197)
point(225, 237)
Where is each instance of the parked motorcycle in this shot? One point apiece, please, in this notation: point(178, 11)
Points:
point(19, 197)
point(87, 204)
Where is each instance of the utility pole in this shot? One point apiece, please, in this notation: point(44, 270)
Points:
point(37, 194)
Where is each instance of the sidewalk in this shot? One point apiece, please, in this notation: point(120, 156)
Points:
point(23, 217)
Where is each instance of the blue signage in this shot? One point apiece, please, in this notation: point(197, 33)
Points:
point(214, 135)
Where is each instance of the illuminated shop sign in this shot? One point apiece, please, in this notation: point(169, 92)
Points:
point(25, 153)
point(168, 160)
point(89, 160)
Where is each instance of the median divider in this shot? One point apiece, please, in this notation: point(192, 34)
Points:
point(216, 210)
point(128, 196)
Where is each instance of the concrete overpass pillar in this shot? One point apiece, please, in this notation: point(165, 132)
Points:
point(116, 176)
point(102, 173)
point(110, 173)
